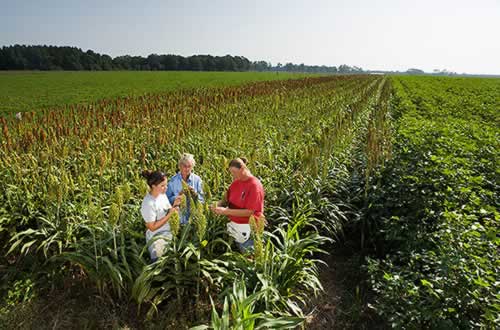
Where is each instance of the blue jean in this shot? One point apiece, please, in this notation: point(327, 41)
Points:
point(246, 246)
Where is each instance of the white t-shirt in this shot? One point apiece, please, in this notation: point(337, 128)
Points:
point(153, 209)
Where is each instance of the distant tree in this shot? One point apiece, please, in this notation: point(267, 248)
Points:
point(106, 62)
point(344, 68)
point(139, 63)
point(241, 63)
point(70, 59)
point(288, 66)
point(194, 63)
point(415, 71)
point(122, 62)
point(90, 61)
point(183, 63)
point(227, 63)
point(170, 62)
point(22, 57)
point(260, 66)
point(154, 62)
point(209, 63)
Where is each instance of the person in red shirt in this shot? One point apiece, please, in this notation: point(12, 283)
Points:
point(245, 197)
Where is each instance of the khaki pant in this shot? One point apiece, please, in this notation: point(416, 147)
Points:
point(157, 247)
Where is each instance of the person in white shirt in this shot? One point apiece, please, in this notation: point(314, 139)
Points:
point(156, 210)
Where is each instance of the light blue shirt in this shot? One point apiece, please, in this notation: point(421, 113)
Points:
point(175, 187)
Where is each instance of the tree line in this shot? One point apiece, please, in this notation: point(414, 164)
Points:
point(24, 57)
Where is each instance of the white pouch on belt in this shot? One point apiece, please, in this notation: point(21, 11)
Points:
point(240, 231)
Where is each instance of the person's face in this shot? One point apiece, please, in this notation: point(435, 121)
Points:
point(186, 169)
point(235, 172)
point(160, 188)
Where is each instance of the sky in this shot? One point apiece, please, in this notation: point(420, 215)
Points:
point(456, 35)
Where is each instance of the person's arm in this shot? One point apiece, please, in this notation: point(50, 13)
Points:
point(199, 191)
point(221, 209)
point(170, 192)
point(221, 203)
point(155, 225)
point(244, 213)
point(177, 201)
point(253, 205)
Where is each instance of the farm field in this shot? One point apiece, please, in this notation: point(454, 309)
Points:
point(434, 208)
point(22, 91)
point(399, 171)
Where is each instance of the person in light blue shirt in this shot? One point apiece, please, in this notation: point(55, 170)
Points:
point(174, 188)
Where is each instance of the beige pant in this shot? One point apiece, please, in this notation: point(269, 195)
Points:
point(240, 231)
point(157, 247)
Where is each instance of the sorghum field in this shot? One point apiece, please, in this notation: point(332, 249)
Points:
point(402, 171)
point(32, 90)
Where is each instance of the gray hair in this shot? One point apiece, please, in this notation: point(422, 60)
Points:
point(187, 158)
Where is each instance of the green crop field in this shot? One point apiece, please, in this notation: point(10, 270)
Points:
point(32, 90)
point(401, 171)
point(435, 206)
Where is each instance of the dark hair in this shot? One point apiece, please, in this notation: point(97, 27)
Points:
point(238, 162)
point(153, 177)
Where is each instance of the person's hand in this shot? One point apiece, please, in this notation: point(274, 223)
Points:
point(177, 201)
point(219, 210)
point(192, 192)
point(173, 209)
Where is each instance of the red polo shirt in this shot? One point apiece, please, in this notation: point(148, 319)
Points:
point(248, 194)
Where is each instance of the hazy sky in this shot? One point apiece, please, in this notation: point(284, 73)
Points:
point(461, 36)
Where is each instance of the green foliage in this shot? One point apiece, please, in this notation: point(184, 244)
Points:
point(238, 313)
point(21, 291)
point(434, 208)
